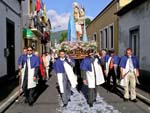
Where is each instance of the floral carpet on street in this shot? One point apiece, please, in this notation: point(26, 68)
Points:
point(78, 104)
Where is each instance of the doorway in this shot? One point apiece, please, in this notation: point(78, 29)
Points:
point(10, 37)
point(135, 41)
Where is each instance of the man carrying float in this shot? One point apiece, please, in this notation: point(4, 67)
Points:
point(93, 75)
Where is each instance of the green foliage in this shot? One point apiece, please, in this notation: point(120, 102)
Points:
point(87, 21)
point(56, 36)
point(63, 37)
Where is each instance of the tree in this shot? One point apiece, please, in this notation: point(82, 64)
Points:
point(87, 21)
point(63, 37)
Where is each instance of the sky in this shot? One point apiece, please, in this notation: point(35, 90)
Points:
point(58, 11)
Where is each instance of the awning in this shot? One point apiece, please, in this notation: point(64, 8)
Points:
point(37, 32)
point(27, 33)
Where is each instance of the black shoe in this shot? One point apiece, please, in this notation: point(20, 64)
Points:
point(134, 100)
point(30, 103)
point(126, 100)
point(91, 105)
point(65, 105)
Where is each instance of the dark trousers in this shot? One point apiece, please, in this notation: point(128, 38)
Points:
point(67, 90)
point(28, 93)
point(114, 77)
point(91, 95)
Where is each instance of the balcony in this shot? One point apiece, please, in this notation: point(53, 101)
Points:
point(36, 25)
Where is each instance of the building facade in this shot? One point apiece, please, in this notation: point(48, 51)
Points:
point(134, 26)
point(104, 28)
point(36, 30)
point(10, 35)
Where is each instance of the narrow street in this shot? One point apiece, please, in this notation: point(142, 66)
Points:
point(50, 102)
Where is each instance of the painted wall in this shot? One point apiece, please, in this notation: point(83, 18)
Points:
point(6, 12)
point(105, 19)
point(139, 16)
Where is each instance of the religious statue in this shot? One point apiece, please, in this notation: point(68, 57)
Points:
point(79, 17)
point(76, 26)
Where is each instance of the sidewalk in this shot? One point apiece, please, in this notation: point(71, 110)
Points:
point(46, 102)
point(141, 94)
point(8, 92)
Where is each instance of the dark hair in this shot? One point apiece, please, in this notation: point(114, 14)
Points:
point(90, 51)
point(43, 53)
point(30, 47)
point(25, 48)
point(128, 49)
point(62, 50)
point(111, 51)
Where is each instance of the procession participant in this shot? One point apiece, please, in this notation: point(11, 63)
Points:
point(63, 68)
point(129, 68)
point(36, 53)
point(113, 67)
point(20, 59)
point(43, 66)
point(93, 75)
point(47, 59)
point(102, 55)
point(20, 67)
point(29, 75)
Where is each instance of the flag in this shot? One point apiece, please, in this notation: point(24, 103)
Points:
point(44, 14)
point(38, 5)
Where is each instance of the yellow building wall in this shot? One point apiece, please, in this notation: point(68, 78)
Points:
point(122, 3)
point(105, 19)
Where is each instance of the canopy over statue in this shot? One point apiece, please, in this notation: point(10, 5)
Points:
point(76, 24)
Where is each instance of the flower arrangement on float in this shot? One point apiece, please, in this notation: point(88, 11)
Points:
point(77, 49)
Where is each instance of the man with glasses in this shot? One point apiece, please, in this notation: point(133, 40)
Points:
point(29, 75)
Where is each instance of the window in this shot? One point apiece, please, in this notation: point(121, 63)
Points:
point(101, 40)
point(106, 37)
point(111, 35)
point(94, 37)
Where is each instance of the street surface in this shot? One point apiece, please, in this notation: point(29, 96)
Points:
point(49, 101)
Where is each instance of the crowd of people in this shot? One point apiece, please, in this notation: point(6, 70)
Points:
point(97, 68)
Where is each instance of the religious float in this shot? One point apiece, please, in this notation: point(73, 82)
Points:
point(77, 43)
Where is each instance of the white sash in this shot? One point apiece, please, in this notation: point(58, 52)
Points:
point(31, 82)
point(70, 74)
point(91, 76)
point(60, 82)
point(107, 65)
point(99, 73)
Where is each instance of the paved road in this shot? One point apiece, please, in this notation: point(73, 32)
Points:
point(50, 102)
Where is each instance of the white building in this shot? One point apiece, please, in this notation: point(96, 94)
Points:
point(10, 36)
point(134, 32)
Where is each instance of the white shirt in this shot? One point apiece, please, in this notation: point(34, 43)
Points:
point(129, 65)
